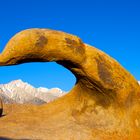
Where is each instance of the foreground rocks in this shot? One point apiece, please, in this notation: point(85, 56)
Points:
point(1, 107)
point(104, 103)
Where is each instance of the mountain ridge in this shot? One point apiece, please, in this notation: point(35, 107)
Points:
point(21, 92)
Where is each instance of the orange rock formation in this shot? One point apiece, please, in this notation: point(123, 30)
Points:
point(1, 107)
point(104, 103)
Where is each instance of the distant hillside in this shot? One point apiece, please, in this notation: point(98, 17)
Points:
point(21, 92)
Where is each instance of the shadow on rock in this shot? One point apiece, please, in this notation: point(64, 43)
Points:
point(4, 138)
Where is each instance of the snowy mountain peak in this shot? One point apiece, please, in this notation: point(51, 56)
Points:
point(22, 92)
point(42, 89)
point(19, 82)
point(16, 82)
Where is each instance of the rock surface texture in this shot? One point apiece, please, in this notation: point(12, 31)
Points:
point(104, 104)
point(1, 107)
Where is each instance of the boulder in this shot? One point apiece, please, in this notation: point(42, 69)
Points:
point(1, 107)
point(104, 103)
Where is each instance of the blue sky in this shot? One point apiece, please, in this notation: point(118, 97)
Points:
point(111, 25)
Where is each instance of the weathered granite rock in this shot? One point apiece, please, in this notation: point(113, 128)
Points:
point(1, 107)
point(104, 103)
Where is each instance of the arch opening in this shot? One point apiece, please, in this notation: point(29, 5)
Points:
point(41, 78)
point(48, 75)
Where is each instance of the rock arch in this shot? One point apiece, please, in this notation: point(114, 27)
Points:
point(104, 92)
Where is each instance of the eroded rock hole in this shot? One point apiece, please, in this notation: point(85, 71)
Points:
point(34, 83)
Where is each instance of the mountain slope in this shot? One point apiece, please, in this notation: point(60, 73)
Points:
point(20, 92)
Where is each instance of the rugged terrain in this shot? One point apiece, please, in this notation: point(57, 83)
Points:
point(103, 105)
point(21, 92)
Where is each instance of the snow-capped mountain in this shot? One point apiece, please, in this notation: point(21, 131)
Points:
point(21, 92)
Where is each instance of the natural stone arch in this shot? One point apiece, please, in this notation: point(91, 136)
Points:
point(103, 85)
